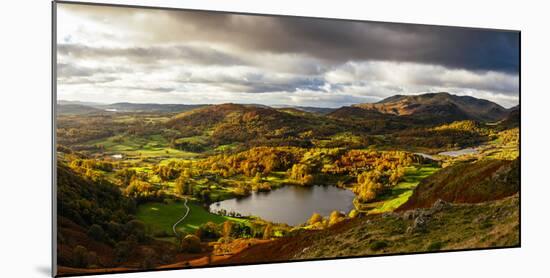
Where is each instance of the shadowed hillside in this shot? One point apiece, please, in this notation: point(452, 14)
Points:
point(96, 227)
point(512, 119)
point(475, 182)
point(368, 120)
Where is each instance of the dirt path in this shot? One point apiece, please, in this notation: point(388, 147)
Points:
point(182, 218)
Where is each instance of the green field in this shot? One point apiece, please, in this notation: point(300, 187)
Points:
point(399, 194)
point(160, 216)
point(147, 146)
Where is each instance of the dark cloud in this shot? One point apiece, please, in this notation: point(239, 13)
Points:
point(341, 41)
point(334, 40)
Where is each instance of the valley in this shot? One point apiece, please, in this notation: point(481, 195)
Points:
point(253, 183)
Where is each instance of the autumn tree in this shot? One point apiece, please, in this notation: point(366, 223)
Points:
point(301, 173)
point(182, 186)
point(335, 217)
point(138, 188)
point(315, 218)
point(226, 229)
point(368, 185)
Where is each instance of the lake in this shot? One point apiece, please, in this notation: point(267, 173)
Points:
point(290, 204)
point(459, 152)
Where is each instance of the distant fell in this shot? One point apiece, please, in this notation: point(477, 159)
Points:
point(439, 107)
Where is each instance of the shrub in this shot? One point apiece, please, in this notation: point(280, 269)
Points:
point(123, 249)
point(242, 190)
point(136, 228)
point(315, 218)
point(115, 230)
point(208, 230)
point(241, 230)
point(434, 246)
point(335, 217)
point(378, 245)
point(80, 256)
point(262, 187)
point(96, 232)
point(190, 244)
point(353, 213)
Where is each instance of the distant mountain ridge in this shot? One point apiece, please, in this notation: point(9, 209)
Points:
point(425, 108)
point(152, 107)
point(442, 105)
point(310, 109)
point(76, 109)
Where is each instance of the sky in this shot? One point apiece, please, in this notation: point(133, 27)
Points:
point(118, 54)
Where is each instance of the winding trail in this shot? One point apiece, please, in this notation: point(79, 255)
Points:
point(182, 218)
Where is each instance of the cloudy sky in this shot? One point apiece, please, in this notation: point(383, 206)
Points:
point(115, 54)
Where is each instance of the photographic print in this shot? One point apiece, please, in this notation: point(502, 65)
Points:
point(188, 138)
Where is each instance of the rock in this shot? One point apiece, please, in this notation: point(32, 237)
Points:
point(409, 215)
point(419, 224)
point(425, 213)
point(440, 205)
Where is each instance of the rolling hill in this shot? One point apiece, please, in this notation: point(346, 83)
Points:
point(240, 123)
